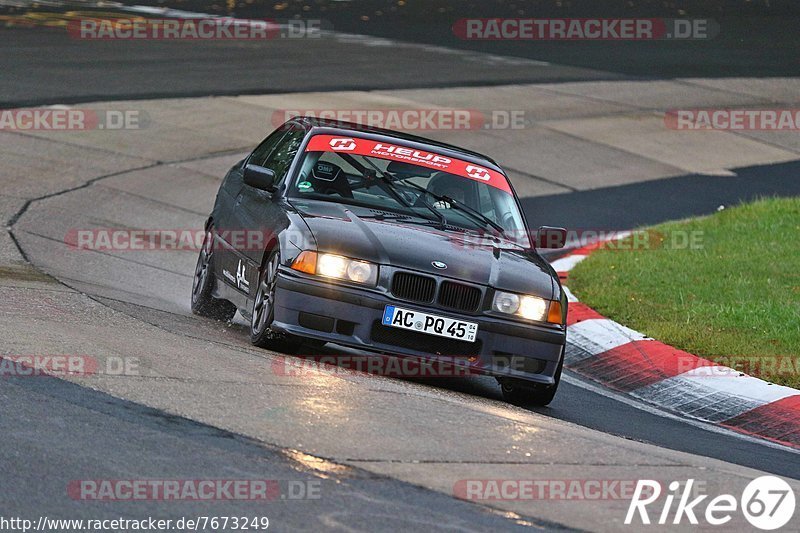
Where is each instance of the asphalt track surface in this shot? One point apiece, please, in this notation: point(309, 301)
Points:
point(109, 434)
point(97, 433)
point(86, 71)
point(753, 41)
point(648, 203)
point(88, 434)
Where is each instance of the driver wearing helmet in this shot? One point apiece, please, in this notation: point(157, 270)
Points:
point(454, 187)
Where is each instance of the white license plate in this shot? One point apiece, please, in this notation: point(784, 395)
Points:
point(397, 317)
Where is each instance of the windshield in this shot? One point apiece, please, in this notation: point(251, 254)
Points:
point(432, 190)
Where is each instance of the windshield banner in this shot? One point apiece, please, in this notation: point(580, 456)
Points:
point(395, 152)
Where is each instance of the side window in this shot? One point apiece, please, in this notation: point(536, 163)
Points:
point(281, 158)
point(261, 154)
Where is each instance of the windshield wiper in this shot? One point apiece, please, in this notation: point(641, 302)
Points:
point(388, 186)
point(477, 214)
point(500, 230)
point(388, 179)
point(404, 219)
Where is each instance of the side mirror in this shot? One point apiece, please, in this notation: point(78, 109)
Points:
point(551, 237)
point(259, 178)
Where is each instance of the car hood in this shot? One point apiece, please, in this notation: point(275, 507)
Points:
point(348, 230)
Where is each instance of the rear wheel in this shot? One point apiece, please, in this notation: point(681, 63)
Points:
point(263, 312)
point(524, 393)
point(203, 301)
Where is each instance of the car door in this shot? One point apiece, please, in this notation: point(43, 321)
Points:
point(232, 185)
point(256, 218)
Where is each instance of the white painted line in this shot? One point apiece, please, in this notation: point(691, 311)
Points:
point(477, 57)
point(359, 39)
point(729, 380)
point(565, 264)
point(570, 297)
point(597, 335)
point(696, 400)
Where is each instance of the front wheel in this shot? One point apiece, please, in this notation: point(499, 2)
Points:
point(203, 301)
point(263, 312)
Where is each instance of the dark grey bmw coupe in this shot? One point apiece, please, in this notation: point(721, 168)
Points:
point(388, 243)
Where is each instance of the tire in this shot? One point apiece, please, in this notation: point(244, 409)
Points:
point(263, 312)
point(203, 302)
point(524, 393)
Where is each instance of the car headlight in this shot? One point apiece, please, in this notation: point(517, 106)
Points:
point(527, 307)
point(337, 266)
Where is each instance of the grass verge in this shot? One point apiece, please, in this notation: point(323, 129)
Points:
point(724, 287)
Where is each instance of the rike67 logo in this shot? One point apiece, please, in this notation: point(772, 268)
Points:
point(767, 502)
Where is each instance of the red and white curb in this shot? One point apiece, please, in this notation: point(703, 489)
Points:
point(650, 371)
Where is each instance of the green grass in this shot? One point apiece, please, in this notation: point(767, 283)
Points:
point(734, 297)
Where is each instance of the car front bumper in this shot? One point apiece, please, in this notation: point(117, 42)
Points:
point(350, 316)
